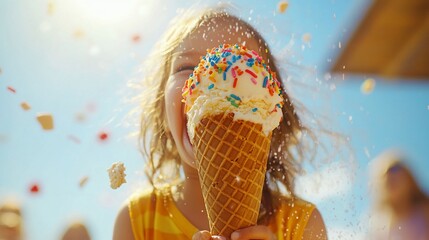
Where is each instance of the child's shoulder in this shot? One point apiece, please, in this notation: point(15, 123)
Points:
point(148, 196)
point(294, 207)
point(296, 203)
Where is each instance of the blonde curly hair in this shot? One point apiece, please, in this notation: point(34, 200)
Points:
point(157, 143)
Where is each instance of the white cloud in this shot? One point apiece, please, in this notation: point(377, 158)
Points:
point(330, 181)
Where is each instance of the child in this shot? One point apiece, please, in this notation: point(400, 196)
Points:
point(177, 210)
point(400, 200)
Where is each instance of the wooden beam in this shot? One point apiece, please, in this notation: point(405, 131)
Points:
point(408, 51)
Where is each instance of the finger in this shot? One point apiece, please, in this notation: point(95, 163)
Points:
point(202, 235)
point(254, 232)
point(218, 238)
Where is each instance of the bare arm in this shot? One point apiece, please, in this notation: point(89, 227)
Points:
point(123, 230)
point(315, 229)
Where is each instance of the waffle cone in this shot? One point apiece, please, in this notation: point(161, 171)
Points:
point(231, 159)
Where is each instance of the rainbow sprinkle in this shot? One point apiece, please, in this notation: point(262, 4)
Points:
point(220, 63)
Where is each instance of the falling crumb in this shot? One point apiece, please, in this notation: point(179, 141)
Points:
point(11, 89)
point(367, 86)
point(282, 6)
point(46, 121)
point(117, 175)
point(306, 37)
point(103, 136)
point(136, 38)
point(74, 139)
point(34, 188)
point(83, 181)
point(25, 106)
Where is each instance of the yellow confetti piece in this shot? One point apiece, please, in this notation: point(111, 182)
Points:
point(306, 37)
point(282, 6)
point(78, 33)
point(367, 86)
point(83, 181)
point(46, 121)
point(25, 106)
point(51, 8)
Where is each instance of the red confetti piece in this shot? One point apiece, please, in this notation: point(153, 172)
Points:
point(11, 89)
point(136, 38)
point(34, 188)
point(103, 136)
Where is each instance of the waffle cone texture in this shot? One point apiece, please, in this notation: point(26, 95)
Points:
point(231, 158)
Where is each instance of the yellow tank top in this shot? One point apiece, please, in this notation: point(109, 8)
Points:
point(154, 216)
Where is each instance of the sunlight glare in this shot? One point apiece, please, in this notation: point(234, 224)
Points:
point(107, 11)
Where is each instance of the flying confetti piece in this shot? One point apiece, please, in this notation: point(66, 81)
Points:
point(306, 37)
point(117, 174)
point(80, 117)
point(25, 106)
point(51, 8)
point(367, 86)
point(74, 139)
point(103, 136)
point(136, 38)
point(83, 181)
point(91, 107)
point(11, 89)
point(46, 121)
point(78, 33)
point(282, 6)
point(3, 138)
point(34, 188)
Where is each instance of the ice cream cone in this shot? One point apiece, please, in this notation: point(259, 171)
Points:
point(231, 158)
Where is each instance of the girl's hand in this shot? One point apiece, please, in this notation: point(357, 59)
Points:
point(205, 235)
point(255, 232)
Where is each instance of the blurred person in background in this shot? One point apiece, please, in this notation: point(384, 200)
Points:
point(401, 206)
point(10, 222)
point(76, 231)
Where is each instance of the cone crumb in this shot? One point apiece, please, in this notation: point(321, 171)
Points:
point(117, 175)
point(46, 121)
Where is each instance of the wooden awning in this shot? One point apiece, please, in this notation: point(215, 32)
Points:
point(392, 40)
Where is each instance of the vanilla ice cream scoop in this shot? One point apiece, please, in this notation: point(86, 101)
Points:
point(233, 79)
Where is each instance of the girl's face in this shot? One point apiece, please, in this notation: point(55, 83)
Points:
point(211, 34)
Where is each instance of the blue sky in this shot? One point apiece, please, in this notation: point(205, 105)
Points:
point(80, 58)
